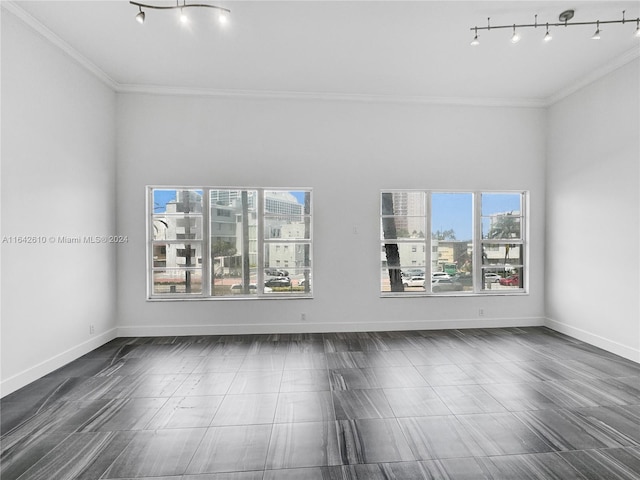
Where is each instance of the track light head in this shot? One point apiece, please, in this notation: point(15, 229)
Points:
point(515, 38)
point(184, 19)
point(563, 22)
point(475, 42)
point(140, 16)
point(223, 17)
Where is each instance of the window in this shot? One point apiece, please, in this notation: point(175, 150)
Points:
point(212, 242)
point(470, 242)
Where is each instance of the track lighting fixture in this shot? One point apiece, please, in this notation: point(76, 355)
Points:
point(563, 18)
point(182, 5)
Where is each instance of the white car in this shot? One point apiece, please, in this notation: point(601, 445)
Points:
point(415, 281)
point(491, 277)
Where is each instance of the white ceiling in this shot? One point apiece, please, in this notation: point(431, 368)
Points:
point(397, 49)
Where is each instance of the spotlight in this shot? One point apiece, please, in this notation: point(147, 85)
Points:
point(183, 17)
point(140, 16)
point(516, 37)
point(223, 17)
point(596, 36)
point(547, 36)
point(475, 40)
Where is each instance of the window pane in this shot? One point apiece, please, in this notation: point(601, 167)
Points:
point(501, 215)
point(287, 256)
point(287, 227)
point(404, 203)
point(385, 278)
point(444, 284)
point(177, 227)
point(283, 202)
point(177, 201)
point(411, 255)
point(233, 236)
point(177, 255)
point(501, 279)
point(295, 280)
point(231, 282)
point(402, 227)
point(177, 281)
point(452, 233)
point(502, 255)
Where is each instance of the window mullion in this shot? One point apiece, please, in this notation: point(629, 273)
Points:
point(260, 243)
point(206, 243)
point(428, 268)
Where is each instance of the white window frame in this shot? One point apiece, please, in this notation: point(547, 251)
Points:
point(205, 266)
point(477, 240)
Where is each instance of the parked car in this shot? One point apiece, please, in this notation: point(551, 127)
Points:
point(445, 285)
point(413, 272)
point(435, 275)
point(415, 281)
point(278, 282)
point(511, 281)
point(253, 288)
point(276, 272)
point(491, 277)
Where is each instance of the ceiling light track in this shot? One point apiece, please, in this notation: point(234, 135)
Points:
point(182, 6)
point(563, 18)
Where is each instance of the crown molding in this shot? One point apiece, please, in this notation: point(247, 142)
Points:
point(59, 42)
point(337, 97)
point(595, 75)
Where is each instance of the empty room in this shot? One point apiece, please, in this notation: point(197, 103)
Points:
point(264, 240)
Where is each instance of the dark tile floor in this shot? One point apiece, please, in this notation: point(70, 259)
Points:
point(515, 403)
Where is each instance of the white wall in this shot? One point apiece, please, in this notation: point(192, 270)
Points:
point(593, 211)
point(346, 151)
point(58, 178)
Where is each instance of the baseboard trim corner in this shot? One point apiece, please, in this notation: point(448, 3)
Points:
point(49, 365)
point(599, 341)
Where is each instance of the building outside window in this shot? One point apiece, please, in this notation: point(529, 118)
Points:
point(470, 242)
point(212, 242)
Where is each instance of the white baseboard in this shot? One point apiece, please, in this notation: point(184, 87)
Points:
point(612, 346)
point(308, 327)
point(32, 374)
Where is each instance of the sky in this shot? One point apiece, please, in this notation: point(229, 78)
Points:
point(455, 210)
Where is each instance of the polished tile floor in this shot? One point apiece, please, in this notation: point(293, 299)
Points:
point(514, 403)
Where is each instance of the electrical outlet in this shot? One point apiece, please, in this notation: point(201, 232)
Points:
point(481, 312)
point(92, 329)
point(303, 317)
